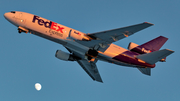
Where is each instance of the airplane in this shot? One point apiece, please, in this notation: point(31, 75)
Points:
point(87, 49)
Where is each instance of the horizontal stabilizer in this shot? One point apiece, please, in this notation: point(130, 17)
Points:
point(146, 71)
point(154, 57)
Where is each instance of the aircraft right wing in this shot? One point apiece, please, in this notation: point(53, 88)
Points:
point(91, 69)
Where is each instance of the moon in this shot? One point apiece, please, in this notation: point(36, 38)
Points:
point(38, 86)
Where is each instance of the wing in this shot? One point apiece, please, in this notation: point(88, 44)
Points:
point(89, 66)
point(104, 38)
point(91, 69)
point(119, 33)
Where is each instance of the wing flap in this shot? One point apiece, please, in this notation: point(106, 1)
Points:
point(91, 69)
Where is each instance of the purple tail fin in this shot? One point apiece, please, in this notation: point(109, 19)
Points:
point(155, 44)
point(151, 46)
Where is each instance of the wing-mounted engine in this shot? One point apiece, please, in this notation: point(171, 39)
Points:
point(79, 35)
point(64, 56)
point(22, 29)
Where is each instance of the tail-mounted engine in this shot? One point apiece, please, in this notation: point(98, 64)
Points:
point(64, 56)
point(138, 49)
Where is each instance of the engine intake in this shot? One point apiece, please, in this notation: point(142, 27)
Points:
point(92, 53)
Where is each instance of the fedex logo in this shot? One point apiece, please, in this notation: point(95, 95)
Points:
point(47, 24)
point(77, 33)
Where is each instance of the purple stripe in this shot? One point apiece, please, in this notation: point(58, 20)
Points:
point(130, 58)
point(150, 46)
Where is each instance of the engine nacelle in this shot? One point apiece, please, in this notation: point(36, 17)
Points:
point(138, 49)
point(64, 56)
point(79, 36)
point(91, 54)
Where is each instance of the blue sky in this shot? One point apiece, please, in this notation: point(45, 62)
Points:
point(27, 59)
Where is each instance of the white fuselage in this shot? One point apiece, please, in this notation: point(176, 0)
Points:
point(61, 34)
point(87, 49)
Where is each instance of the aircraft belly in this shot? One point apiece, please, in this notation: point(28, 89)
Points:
point(76, 47)
point(111, 60)
point(49, 38)
point(113, 51)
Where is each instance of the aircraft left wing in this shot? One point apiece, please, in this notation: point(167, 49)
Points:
point(104, 38)
point(91, 69)
point(119, 33)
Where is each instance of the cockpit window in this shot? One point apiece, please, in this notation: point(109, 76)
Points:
point(13, 12)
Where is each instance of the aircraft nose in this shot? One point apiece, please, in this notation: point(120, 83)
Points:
point(6, 15)
point(9, 16)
